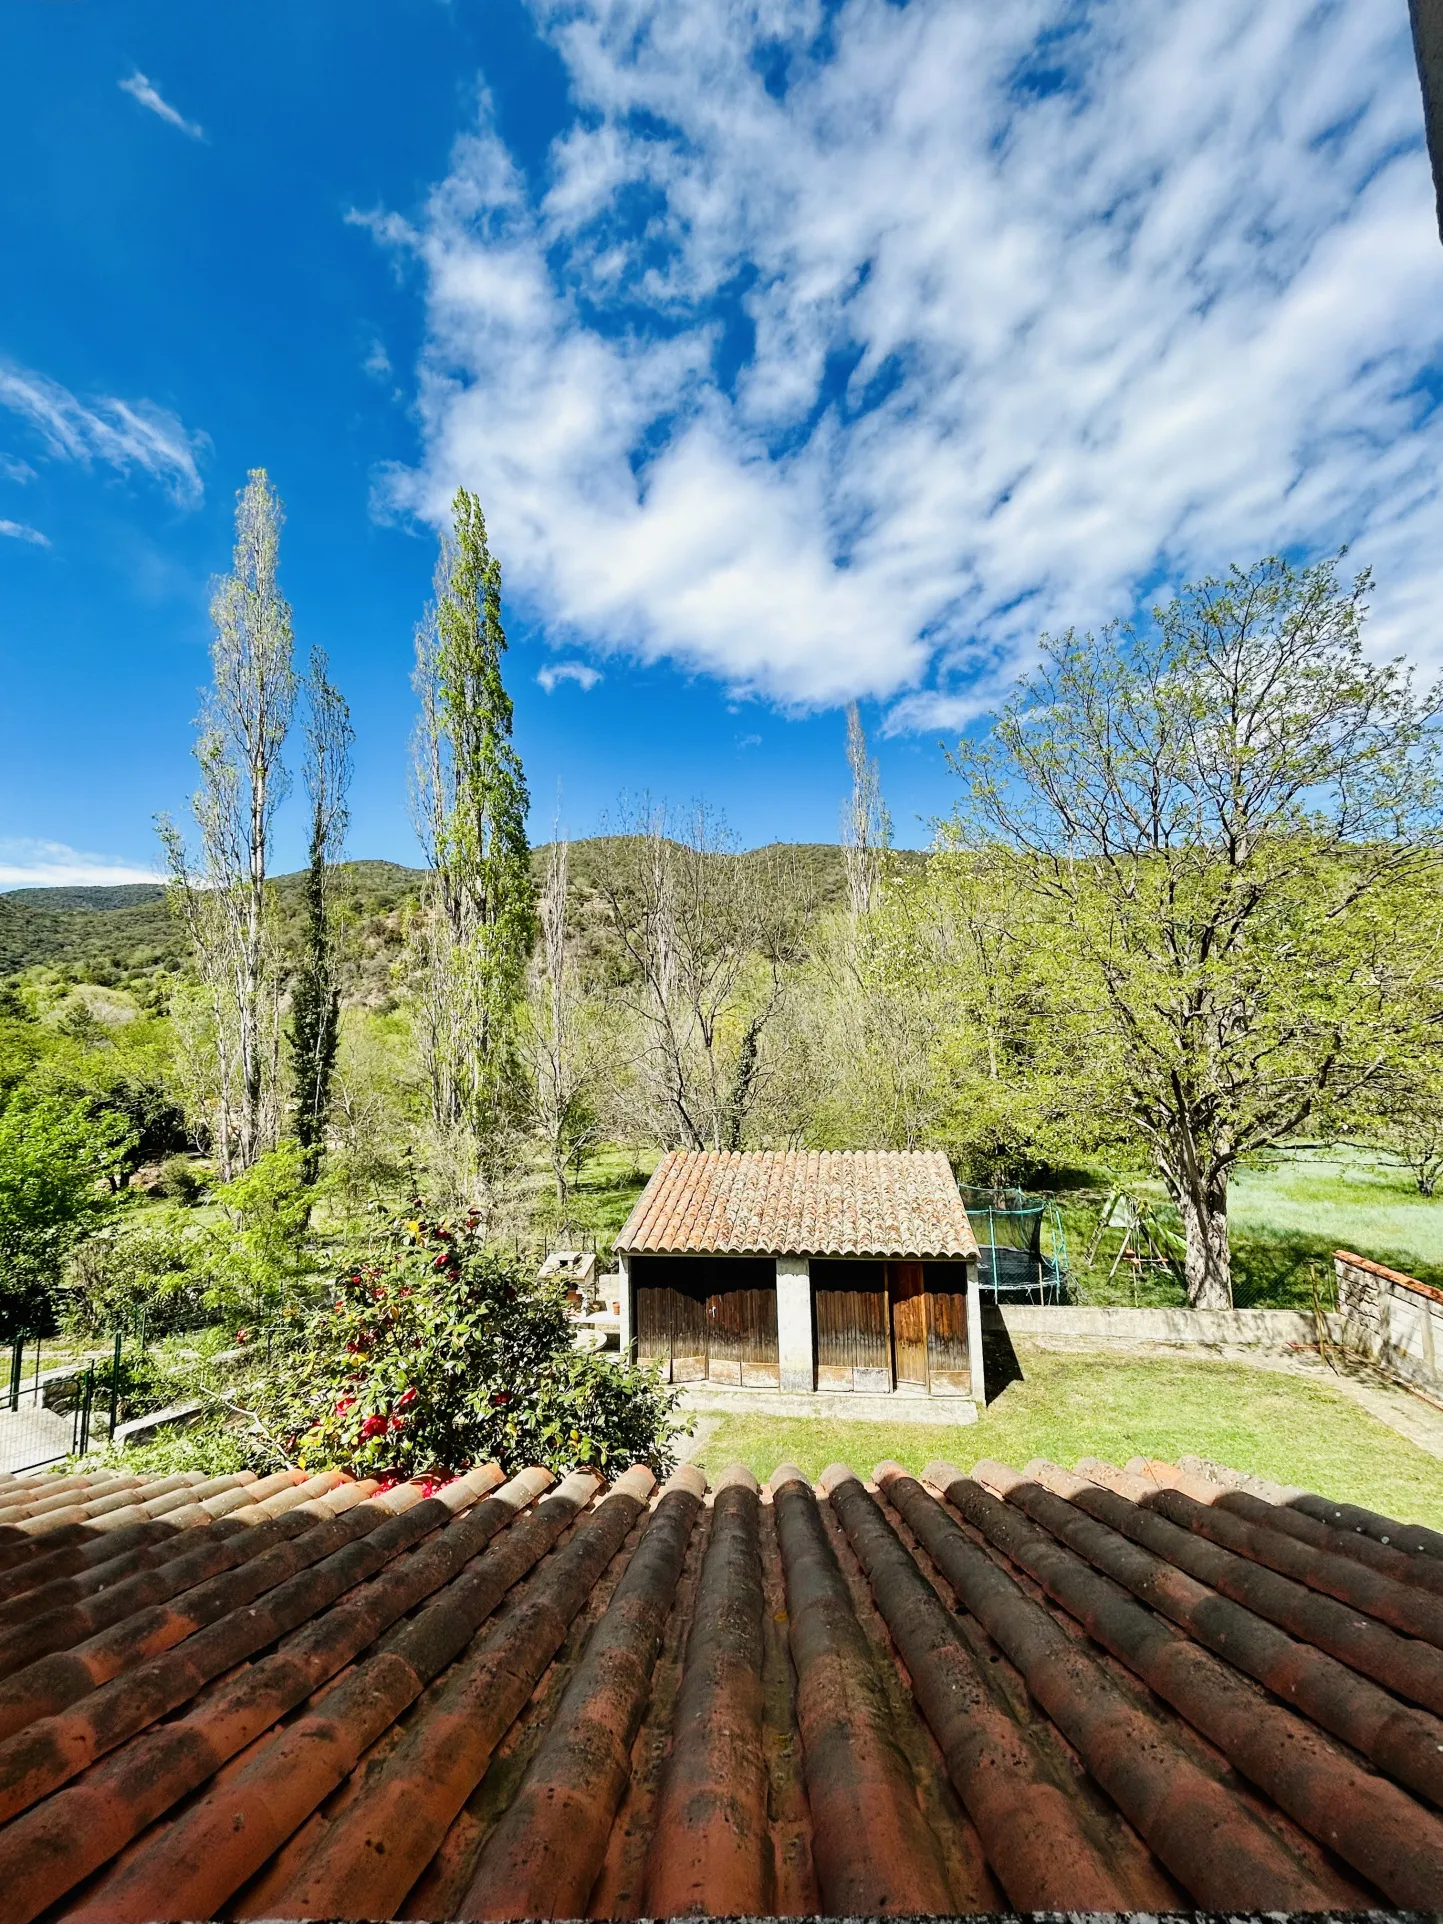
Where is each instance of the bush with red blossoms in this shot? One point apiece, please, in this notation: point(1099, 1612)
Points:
point(440, 1353)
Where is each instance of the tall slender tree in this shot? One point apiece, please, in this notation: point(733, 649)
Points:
point(866, 824)
point(563, 1045)
point(223, 901)
point(316, 994)
point(473, 939)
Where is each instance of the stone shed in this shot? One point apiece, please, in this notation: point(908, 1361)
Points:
point(804, 1271)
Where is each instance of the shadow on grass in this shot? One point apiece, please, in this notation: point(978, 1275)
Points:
point(1000, 1363)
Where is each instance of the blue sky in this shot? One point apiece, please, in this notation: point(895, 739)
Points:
point(800, 351)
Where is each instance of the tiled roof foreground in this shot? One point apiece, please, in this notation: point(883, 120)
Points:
point(1142, 1689)
point(786, 1202)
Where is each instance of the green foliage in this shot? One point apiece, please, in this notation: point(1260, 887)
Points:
point(215, 1447)
point(1228, 825)
point(470, 946)
point(269, 1208)
point(180, 1181)
point(55, 1158)
point(146, 1270)
point(314, 1028)
point(440, 1354)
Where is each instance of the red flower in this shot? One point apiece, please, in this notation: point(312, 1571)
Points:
point(242, 1335)
point(373, 1426)
point(343, 1404)
point(398, 1422)
point(500, 1398)
point(405, 1399)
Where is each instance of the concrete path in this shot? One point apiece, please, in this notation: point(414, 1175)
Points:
point(31, 1438)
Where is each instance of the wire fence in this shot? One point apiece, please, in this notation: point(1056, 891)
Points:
point(48, 1415)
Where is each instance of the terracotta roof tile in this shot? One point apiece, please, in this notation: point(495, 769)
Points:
point(897, 1203)
point(1149, 1689)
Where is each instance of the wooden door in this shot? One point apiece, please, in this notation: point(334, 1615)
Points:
point(853, 1351)
point(671, 1316)
point(906, 1286)
point(949, 1366)
point(741, 1318)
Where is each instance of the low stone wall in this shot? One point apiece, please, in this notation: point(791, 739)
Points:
point(1392, 1319)
point(1275, 1329)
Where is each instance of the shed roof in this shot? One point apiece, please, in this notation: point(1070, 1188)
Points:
point(785, 1202)
point(1152, 1689)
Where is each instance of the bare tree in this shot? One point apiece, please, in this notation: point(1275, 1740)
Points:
point(563, 1063)
point(866, 825)
point(222, 899)
point(705, 932)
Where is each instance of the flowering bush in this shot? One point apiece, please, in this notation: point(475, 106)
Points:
point(439, 1353)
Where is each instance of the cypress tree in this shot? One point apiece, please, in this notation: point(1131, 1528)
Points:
point(316, 996)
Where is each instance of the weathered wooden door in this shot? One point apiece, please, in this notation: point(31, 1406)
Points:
point(713, 1316)
point(671, 1316)
point(907, 1289)
point(853, 1351)
point(949, 1365)
point(741, 1319)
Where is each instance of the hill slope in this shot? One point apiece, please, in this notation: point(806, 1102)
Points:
point(124, 935)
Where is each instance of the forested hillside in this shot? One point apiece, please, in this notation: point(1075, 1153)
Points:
point(125, 936)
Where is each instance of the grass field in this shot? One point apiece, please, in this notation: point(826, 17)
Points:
point(1066, 1407)
point(1285, 1222)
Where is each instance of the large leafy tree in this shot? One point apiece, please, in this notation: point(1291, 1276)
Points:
point(1231, 817)
point(473, 941)
point(55, 1157)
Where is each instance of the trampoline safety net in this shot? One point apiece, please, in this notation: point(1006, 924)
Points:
point(1010, 1227)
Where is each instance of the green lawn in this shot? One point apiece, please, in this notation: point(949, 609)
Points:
point(1072, 1406)
point(1285, 1222)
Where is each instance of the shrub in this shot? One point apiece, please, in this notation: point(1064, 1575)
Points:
point(440, 1354)
point(180, 1180)
point(145, 1269)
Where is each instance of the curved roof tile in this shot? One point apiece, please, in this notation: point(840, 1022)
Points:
point(787, 1202)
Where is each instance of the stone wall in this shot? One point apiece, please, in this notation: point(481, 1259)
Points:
point(1392, 1319)
point(1275, 1329)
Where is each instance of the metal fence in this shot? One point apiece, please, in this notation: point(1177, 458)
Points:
point(32, 1432)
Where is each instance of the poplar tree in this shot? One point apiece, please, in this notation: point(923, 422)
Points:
point(473, 940)
point(223, 901)
point(315, 994)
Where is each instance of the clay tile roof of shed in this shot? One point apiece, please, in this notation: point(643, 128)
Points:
point(1151, 1689)
point(787, 1202)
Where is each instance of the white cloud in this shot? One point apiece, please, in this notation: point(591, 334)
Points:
point(13, 470)
point(123, 434)
point(148, 94)
point(38, 864)
point(22, 531)
point(377, 362)
point(1120, 295)
point(555, 673)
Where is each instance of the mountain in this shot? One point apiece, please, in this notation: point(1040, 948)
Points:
point(124, 935)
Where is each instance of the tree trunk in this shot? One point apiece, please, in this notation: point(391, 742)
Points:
point(1204, 1212)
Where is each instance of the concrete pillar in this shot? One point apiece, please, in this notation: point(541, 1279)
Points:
point(796, 1346)
point(626, 1343)
point(974, 1335)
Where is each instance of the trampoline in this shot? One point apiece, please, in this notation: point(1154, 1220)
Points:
point(1014, 1266)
